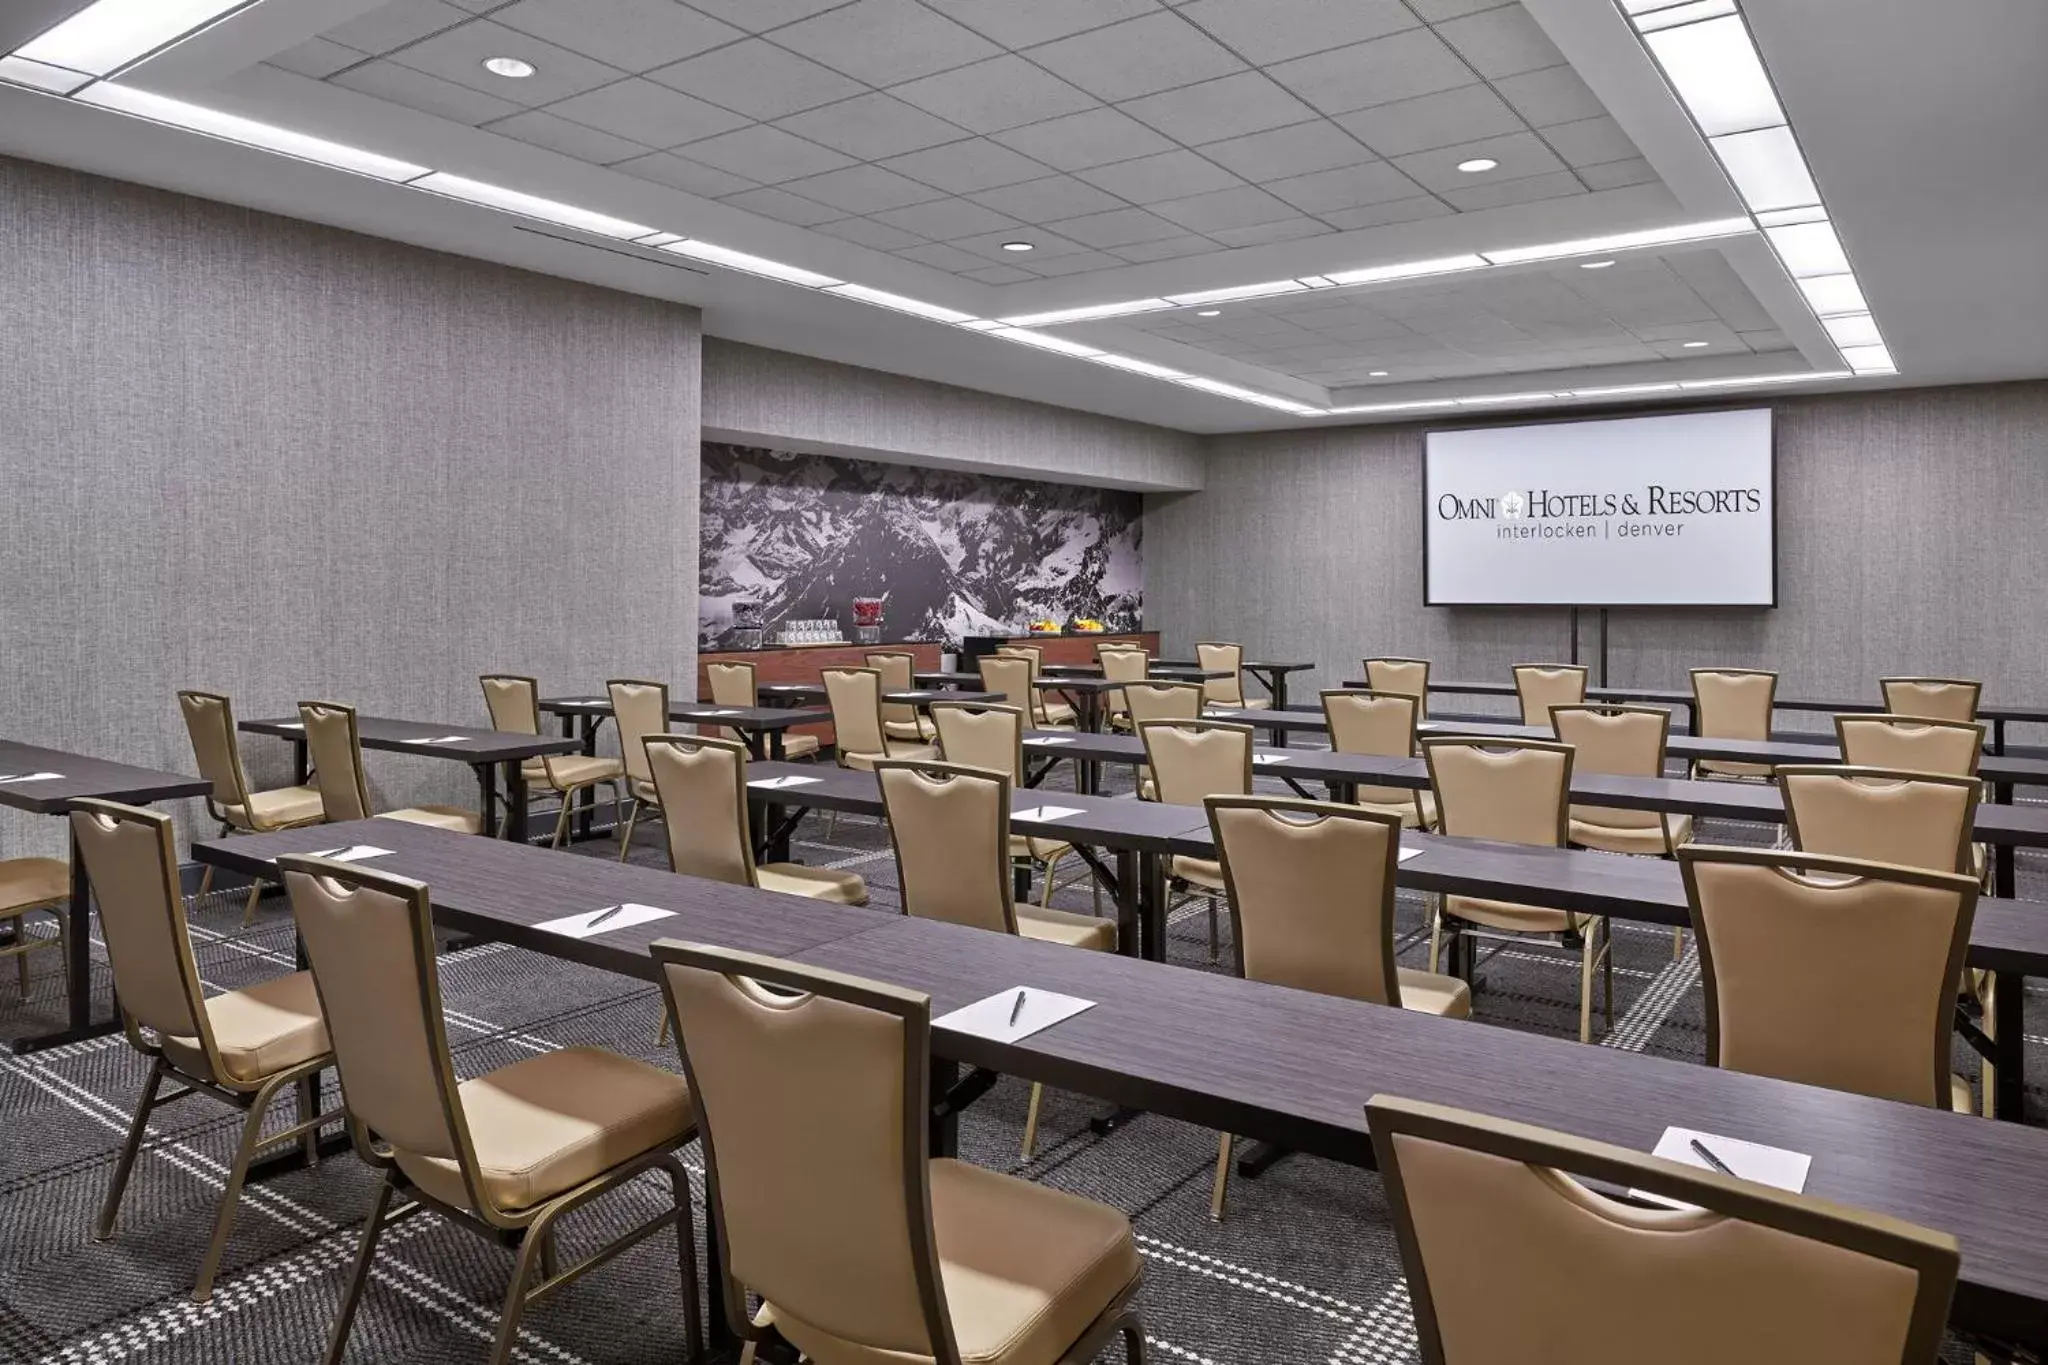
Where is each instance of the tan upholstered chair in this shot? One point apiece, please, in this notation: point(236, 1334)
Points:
point(1123, 665)
point(1105, 647)
point(28, 885)
point(1226, 691)
point(861, 734)
point(860, 1246)
point(900, 720)
point(1406, 677)
point(1312, 907)
point(1732, 703)
point(1047, 711)
point(514, 703)
point(992, 737)
point(734, 684)
point(1910, 743)
point(504, 1154)
point(1381, 724)
point(1191, 761)
point(1160, 699)
point(243, 1048)
point(1875, 1018)
point(336, 748)
point(703, 789)
point(1541, 686)
point(1933, 698)
point(210, 721)
point(1501, 1229)
point(1624, 741)
point(950, 826)
point(639, 709)
point(1517, 792)
point(1885, 815)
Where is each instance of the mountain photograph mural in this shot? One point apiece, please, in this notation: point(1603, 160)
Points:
point(800, 536)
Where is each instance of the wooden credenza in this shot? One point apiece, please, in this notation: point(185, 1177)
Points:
point(807, 664)
point(1061, 648)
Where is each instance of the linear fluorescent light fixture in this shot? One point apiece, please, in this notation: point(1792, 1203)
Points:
point(1853, 329)
point(1869, 359)
point(233, 128)
point(1622, 241)
point(1716, 71)
point(1809, 249)
point(1137, 366)
point(1625, 390)
point(1408, 270)
point(1829, 295)
point(1045, 342)
point(529, 205)
point(1242, 291)
point(1487, 399)
point(749, 265)
point(1767, 168)
point(658, 239)
point(1752, 380)
point(981, 325)
point(1088, 313)
point(1812, 213)
point(1243, 395)
point(37, 76)
point(104, 37)
point(1670, 15)
point(1416, 406)
point(915, 307)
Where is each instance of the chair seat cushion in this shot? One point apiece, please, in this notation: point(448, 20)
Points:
point(278, 807)
point(1038, 850)
point(1026, 1270)
point(1434, 993)
point(1521, 919)
point(921, 753)
point(440, 817)
point(26, 883)
point(545, 1124)
point(916, 731)
point(1720, 767)
point(1197, 872)
point(571, 771)
point(818, 883)
point(259, 1031)
point(1960, 1098)
point(1398, 803)
point(799, 746)
point(1061, 926)
point(1058, 713)
point(1647, 839)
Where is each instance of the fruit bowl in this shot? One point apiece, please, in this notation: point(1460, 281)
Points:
point(1088, 625)
point(1044, 628)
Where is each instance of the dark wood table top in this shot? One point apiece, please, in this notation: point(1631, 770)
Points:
point(81, 776)
point(737, 717)
point(946, 678)
point(1162, 672)
point(401, 737)
point(916, 696)
point(1681, 696)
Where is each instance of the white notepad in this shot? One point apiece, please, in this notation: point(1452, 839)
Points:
point(1408, 853)
point(793, 780)
point(1774, 1166)
point(591, 923)
point(1050, 739)
point(353, 853)
point(437, 739)
point(1271, 758)
point(31, 777)
point(990, 1018)
point(1046, 813)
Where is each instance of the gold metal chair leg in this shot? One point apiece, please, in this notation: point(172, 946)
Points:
point(224, 1221)
point(686, 1256)
point(1045, 871)
point(626, 839)
point(562, 819)
point(21, 955)
point(1586, 985)
point(1607, 972)
point(205, 885)
point(530, 1248)
point(661, 1034)
point(1219, 1189)
point(1677, 944)
point(1031, 1120)
point(1436, 932)
point(1987, 1076)
point(249, 906)
point(137, 1127)
point(359, 1274)
point(1212, 929)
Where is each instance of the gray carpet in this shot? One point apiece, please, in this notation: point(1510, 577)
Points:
point(1303, 1268)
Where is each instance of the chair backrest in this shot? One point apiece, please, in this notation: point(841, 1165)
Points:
point(701, 783)
point(210, 721)
point(981, 736)
point(1934, 698)
point(732, 684)
point(131, 858)
point(1500, 1232)
point(1363, 721)
point(514, 702)
point(1104, 648)
point(1883, 814)
point(1009, 675)
point(1163, 699)
point(1194, 759)
point(1627, 741)
point(1222, 691)
point(950, 825)
point(1542, 686)
point(1875, 1020)
point(899, 674)
point(639, 709)
point(812, 1091)
point(1910, 743)
point(855, 695)
point(369, 938)
point(1733, 703)
point(1311, 887)
point(1125, 665)
point(335, 747)
point(1408, 677)
point(1513, 790)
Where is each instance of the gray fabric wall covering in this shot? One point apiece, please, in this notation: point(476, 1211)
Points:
point(281, 461)
point(791, 402)
point(1909, 540)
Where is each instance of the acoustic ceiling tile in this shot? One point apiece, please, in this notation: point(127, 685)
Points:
point(1501, 42)
point(871, 126)
point(1529, 190)
point(666, 168)
point(316, 57)
point(386, 80)
point(758, 16)
point(1078, 141)
point(1041, 201)
point(862, 189)
point(1283, 230)
point(1120, 227)
point(783, 206)
point(1554, 94)
point(1266, 31)
point(1589, 142)
point(1169, 175)
point(1229, 106)
point(394, 25)
point(943, 220)
point(1613, 175)
point(885, 41)
point(999, 274)
point(1372, 182)
point(987, 97)
point(1137, 57)
point(543, 129)
point(632, 35)
point(1520, 155)
point(1283, 152)
point(1466, 114)
point(968, 165)
point(1397, 67)
point(1165, 249)
point(648, 113)
point(458, 55)
point(1015, 24)
point(1079, 263)
point(766, 154)
point(1380, 215)
point(940, 256)
point(865, 232)
point(757, 79)
point(1236, 208)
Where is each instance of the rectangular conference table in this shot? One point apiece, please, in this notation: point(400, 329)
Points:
point(1285, 1066)
point(765, 727)
point(485, 751)
point(76, 776)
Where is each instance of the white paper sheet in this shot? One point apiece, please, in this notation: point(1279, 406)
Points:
point(291, 725)
point(1408, 853)
point(793, 780)
point(437, 739)
point(722, 711)
point(1046, 813)
point(1050, 739)
point(1269, 759)
point(591, 923)
point(31, 777)
point(1774, 1166)
point(352, 853)
point(1214, 712)
point(991, 1018)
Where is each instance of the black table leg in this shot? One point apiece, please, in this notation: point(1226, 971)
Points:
point(302, 768)
point(1129, 903)
point(2004, 875)
point(2008, 1014)
point(778, 747)
point(487, 788)
point(1998, 734)
point(1088, 773)
point(1153, 905)
point(80, 1025)
point(586, 730)
point(944, 1127)
point(515, 802)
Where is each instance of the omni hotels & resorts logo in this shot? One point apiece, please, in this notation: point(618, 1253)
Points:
point(1651, 511)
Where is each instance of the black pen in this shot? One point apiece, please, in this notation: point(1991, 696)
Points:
point(1711, 1159)
point(1017, 1008)
point(603, 915)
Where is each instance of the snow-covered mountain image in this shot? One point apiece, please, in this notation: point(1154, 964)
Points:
point(801, 536)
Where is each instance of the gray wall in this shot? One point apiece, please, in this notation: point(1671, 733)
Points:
point(1909, 540)
point(791, 402)
point(282, 461)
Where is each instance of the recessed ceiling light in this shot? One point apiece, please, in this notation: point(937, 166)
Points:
point(1477, 164)
point(1210, 313)
point(1017, 246)
point(1695, 345)
point(512, 68)
point(1594, 265)
point(1377, 374)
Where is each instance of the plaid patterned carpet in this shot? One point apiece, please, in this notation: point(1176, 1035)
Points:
point(1302, 1269)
